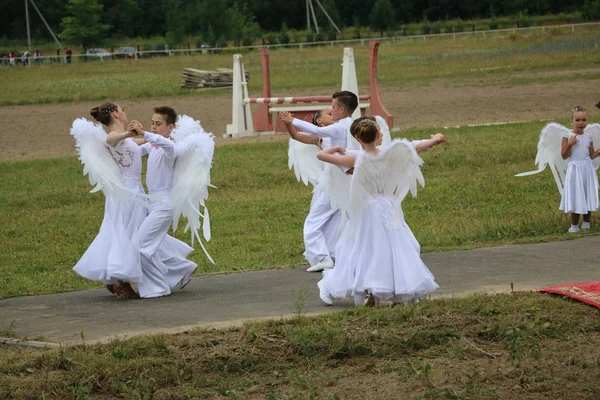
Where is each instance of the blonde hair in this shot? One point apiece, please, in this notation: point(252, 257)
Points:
point(577, 109)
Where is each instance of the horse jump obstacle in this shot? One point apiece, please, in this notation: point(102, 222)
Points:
point(244, 125)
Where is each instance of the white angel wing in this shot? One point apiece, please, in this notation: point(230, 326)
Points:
point(98, 163)
point(385, 130)
point(594, 131)
point(336, 186)
point(195, 149)
point(392, 173)
point(302, 158)
point(548, 153)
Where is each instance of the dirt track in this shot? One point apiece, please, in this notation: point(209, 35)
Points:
point(41, 131)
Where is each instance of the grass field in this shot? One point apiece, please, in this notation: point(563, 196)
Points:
point(519, 346)
point(470, 199)
point(497, 58)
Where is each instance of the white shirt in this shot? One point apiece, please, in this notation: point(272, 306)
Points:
point(337, 133)
point(159, 175)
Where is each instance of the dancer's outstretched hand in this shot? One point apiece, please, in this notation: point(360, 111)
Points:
point(136, 128)
point(286, 117)
point(438, 138)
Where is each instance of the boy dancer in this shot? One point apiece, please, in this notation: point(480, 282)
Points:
point(321, 216)
point(167, 267)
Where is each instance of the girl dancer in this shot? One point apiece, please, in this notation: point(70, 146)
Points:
point(378, 256)
point(114, 256)
point(580, 194)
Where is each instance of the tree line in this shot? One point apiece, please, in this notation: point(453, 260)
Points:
point(88, 22)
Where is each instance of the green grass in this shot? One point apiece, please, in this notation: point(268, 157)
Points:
point(470, 199)
point(406, 61)
point(525, 346)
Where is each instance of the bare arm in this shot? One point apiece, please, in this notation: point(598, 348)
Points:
point(593, 153)
point(113, 138)
point(344, 160)
point(566, 145)
point(427, 144)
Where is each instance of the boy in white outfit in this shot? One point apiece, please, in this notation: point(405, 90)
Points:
point(164, 263)
point(322, 217)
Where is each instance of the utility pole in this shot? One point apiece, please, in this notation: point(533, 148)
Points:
point(43, 20)
point(311, 10)
point(27, 19)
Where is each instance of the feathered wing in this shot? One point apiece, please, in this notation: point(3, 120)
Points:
point(302, 158)
point(594, 131)
point(336, 186)
point(98, 163)
point(392, 173)
point(195, 149)
point(548, 153)
point(385, 130)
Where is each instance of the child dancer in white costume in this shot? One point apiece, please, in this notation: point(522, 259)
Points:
point(163, 267)
point(573, 161)
point(113, 257)
point(321, 226)
point(580, 194)
point(378, 255)
point(321, 214)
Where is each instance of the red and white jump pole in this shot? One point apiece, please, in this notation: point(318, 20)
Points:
point(243, 125)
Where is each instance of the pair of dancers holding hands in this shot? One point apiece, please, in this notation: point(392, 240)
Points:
point(356, 203)
point(132, 245)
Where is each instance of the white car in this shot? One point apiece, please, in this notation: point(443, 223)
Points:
point(98, 54)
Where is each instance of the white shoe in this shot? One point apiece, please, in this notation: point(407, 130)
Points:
point(573, 229)
point(324, 264)
point(586, 226)
point(324, 295)
point(186, 279)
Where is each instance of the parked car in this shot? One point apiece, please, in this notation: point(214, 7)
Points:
point(156, 50)
point(125, 52)
point(97, 54)
point(208, 49)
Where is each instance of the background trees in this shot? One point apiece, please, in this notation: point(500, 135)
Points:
point(243, 20)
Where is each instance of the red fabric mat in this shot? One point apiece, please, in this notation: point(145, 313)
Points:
point(588, 292)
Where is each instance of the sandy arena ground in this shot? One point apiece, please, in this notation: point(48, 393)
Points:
point(41, 131)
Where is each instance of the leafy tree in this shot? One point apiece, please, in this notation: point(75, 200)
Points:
point(124, 16)
point(83, 26)
point(382, 17)
point(591, 10)
point(239, 22)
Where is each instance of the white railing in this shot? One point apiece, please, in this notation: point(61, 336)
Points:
point(332, 43)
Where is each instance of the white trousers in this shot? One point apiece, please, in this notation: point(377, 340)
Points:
point(321, 229)
point(163, 257)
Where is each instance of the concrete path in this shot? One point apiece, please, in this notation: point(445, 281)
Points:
point(231, 299)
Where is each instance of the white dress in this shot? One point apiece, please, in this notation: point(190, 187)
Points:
point(379, 254)
point(580, 193)
point(114, 254)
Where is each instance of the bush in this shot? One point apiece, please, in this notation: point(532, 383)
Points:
point(591, 10)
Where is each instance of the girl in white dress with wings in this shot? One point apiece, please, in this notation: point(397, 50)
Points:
point(114, 164)
point(573, 161)
point(378, 256)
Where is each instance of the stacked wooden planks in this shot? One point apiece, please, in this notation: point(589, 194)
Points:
point(197, 79)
